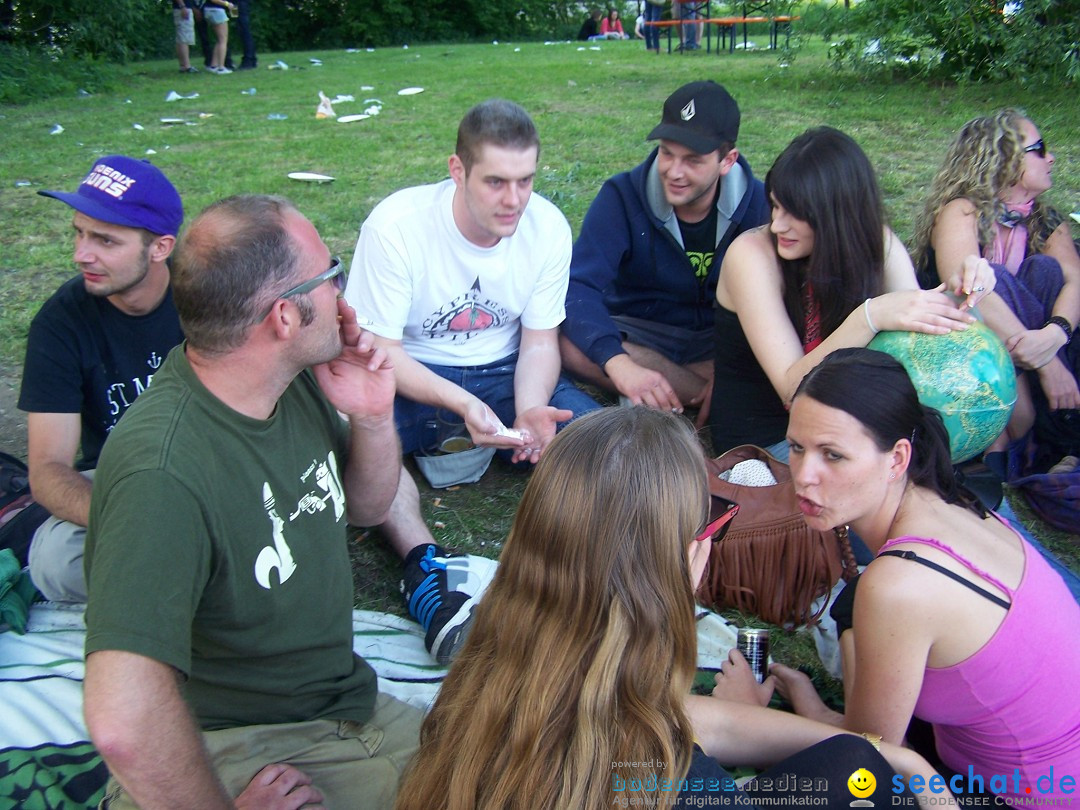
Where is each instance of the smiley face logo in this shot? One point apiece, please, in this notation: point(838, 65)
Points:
point(862, 783)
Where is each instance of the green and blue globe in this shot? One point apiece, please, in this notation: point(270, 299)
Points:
point(967, 376)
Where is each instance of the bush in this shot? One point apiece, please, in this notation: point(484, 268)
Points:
point(28, 75)
point(1032, 40)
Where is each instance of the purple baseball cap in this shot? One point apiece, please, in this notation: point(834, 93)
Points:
point(125, 191)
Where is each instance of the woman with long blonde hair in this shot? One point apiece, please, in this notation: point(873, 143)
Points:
point(572, 689)
point(985, 202)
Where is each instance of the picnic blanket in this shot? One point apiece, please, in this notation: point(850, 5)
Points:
point(46, 759)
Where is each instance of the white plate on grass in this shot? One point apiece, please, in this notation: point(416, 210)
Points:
point(170, 121)
point(410, 91)
point(310, 177)
point(348, 119)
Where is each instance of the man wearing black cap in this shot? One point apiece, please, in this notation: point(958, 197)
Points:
point(639, 308)
point(93, 348)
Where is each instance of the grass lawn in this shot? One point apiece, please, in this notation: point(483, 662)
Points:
point(593, 106)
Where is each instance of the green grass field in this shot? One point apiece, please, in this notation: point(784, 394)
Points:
point(593, 106)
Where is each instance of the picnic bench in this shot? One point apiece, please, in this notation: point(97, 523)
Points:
point(727, 29)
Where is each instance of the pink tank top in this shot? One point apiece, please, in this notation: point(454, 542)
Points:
point(1015, 703)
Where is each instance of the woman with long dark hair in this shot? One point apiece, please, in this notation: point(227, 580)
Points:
point(958, 620)
point(572, 689)
point(827, 273)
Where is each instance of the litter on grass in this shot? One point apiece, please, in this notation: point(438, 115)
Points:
point(276, 117)
point(410, 91)
point(249, 92)
point(348, 119)
point(56, 130)
point(325, 108)
point(310, 177)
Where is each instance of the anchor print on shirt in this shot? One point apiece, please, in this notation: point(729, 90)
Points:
point(464, 317)
point(279, 555)
point(121, 395)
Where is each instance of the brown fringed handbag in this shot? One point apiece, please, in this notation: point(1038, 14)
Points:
point(771, 564)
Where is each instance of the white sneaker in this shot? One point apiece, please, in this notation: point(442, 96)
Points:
point(220, 71)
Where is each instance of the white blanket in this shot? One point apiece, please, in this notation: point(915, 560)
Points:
point(46, 760)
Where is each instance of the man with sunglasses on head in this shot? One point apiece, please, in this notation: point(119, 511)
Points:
point(219, 660)
point(464, 283)
point(92, 350)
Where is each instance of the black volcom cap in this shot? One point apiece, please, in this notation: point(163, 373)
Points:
point(701, 116)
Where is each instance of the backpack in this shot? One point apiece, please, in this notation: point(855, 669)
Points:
point(20, 514)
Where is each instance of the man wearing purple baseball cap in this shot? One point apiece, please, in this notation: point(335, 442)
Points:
point(640, 305)
point(93, 348)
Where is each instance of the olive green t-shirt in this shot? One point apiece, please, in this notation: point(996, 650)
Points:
point(217, 546)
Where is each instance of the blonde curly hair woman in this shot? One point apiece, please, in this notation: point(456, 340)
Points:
point(984, 203)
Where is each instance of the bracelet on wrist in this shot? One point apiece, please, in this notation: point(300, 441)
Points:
point(866, 312)
point(1059, 320)
point(873, 739)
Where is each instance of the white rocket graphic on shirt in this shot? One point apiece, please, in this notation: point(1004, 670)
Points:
point(279, 555)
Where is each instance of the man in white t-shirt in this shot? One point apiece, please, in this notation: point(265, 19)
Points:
point(464, 283)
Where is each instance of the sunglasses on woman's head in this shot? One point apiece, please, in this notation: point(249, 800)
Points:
point(721, 513)
point(1039, 148)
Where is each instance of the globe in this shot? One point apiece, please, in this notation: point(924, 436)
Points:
point(967, 376)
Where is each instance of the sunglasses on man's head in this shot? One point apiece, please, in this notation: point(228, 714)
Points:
point(335, 274)
point(721, 513)
point(1039, 148)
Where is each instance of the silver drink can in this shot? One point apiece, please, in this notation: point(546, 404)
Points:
point(753, 643)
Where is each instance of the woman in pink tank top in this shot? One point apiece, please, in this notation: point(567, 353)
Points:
point(958, 621)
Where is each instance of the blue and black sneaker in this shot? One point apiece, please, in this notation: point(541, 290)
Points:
point(441, 591)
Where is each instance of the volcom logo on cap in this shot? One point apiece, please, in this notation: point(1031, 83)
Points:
point(688, 112)
point(109, 180)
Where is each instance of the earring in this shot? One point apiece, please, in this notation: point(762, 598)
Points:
point(892, 476)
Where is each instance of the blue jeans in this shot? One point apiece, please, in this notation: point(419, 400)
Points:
point(652, 33)
point(493, 385)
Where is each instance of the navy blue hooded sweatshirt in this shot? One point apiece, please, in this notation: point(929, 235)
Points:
point(629, 259)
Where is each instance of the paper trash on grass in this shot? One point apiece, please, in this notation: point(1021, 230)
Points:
point(56, 130)
point(138, 126)
point(174, 96)
point(22, 183)
point(325, 108)
point(410, 91)
point(315, 62)
point(249, 92)
point(172, 121)
point(310, 177)
point(1075, 216)
point(348, 119)
point(276, 117)
point(278, 65)
point(341, 98)
point(151, 152)
point(366, 87)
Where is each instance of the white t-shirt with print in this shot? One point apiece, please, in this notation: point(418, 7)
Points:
point(417, 279)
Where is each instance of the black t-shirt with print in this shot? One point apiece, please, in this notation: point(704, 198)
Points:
point(85, 356)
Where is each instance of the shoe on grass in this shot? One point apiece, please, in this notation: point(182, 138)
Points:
point(441, 591)
point(190, 69)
